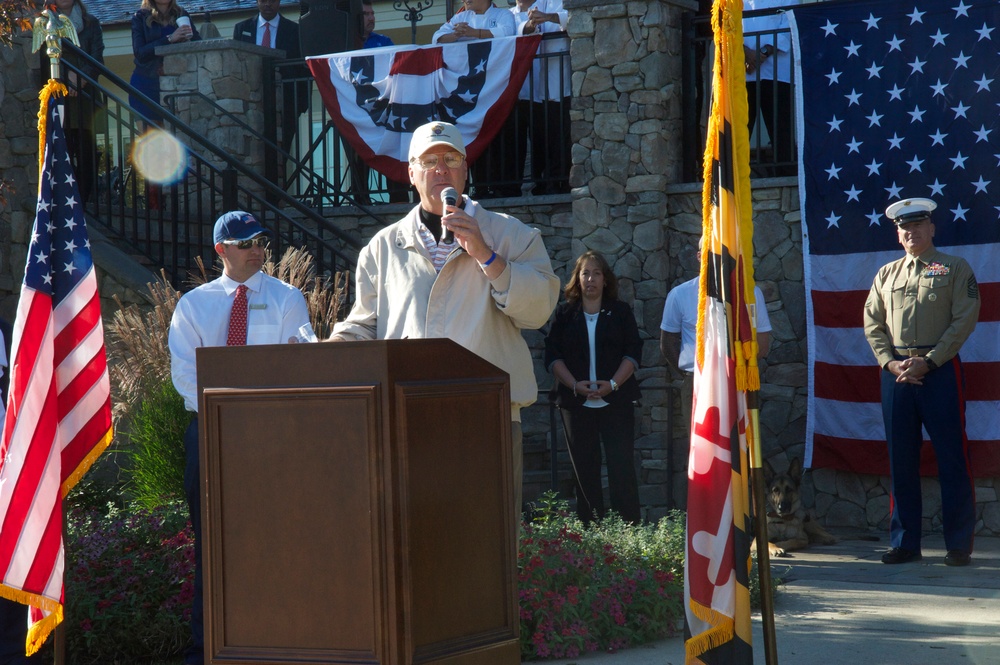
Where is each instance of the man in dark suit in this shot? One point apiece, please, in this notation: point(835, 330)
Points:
point(272, 30)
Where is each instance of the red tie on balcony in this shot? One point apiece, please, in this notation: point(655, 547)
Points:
point(266, 42)
point(238, 319)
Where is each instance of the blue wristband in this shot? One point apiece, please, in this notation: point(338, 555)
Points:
point(493, 257)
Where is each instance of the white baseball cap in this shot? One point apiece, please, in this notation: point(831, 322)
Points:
point(435, 133)
point(910, 210)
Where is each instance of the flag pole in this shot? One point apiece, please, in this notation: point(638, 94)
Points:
point(759, 492)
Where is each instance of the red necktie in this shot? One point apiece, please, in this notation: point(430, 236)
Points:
point(238, 319)
point(267, 36)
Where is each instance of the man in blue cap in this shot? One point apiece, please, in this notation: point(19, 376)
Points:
point(919, 312)
point(243, 306)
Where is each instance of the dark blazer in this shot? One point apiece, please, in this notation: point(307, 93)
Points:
point(145, 39)
point(91, 43)
point(617, 337)
point(287, 39)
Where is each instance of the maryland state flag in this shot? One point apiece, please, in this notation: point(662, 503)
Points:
point(716, 576)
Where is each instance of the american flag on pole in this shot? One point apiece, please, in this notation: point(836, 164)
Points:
point(59, 407)
point(897, 99)
point(717, 568)
point(377, 97)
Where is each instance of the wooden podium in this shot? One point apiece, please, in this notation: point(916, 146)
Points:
point(357, 505)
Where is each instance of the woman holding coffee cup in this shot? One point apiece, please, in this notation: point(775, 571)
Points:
point(157, 23)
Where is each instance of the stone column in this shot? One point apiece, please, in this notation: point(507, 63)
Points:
point(230, 73)
point(18, 165)
point(626, 132)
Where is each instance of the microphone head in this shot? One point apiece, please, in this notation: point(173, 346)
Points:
point(450, 196)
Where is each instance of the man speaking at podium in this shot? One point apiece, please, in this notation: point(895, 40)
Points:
point(452, 269)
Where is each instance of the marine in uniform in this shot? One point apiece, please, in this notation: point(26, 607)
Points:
point(919, 312)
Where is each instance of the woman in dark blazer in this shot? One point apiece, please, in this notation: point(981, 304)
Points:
point(155, 24)
point(593, 350)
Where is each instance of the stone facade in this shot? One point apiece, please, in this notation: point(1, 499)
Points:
point(18, 166)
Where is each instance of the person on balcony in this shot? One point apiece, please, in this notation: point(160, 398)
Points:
point(548, 91)
point(272, 30)
point(480, 19)
point(79, 122)
point(157, 23)
point(360, 171)
point(768, 53)
point(370, 38)
point(479, 287)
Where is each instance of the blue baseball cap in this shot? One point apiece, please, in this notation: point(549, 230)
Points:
point(238, 225)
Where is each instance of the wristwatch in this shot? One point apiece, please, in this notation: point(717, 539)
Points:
point(614, 385)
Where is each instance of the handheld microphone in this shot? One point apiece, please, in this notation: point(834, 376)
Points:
point(450, 197)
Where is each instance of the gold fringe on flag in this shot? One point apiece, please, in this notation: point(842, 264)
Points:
point(49, 90)
point(729, 89)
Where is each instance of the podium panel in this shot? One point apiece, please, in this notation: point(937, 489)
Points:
point(357, 505)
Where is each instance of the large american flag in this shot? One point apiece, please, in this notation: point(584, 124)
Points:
point(897, 99)
point(59, 405)
point(717, 567)
point(377, 97)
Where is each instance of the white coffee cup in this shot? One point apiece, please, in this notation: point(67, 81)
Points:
point(183, 20)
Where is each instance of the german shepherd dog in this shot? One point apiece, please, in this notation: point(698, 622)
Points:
point(789, 526)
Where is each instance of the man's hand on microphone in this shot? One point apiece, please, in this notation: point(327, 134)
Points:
point(467, 234)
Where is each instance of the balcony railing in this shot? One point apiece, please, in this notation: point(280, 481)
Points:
point(530, 154)
point(170, 225)
point(770, 92)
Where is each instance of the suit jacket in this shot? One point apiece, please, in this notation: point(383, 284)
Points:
point(287, 39)
point(617, 337)
point(296, 96)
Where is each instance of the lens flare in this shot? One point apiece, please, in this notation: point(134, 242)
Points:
point(159, 157)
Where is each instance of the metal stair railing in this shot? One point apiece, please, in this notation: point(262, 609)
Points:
point(170, 226)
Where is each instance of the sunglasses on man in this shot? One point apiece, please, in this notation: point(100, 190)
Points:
point(259, 241)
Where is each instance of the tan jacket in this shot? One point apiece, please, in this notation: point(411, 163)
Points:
point(399, 295)
point(928, 311)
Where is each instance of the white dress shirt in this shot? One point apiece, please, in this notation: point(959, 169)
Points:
point(275, 312)
point(274, 30)
point(551, 75)
point(499, 22)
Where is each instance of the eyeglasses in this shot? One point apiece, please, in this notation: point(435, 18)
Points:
point(259, 241)
point(428, 162)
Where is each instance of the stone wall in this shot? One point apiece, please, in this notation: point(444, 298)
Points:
point(117, 274)
point(18, 166)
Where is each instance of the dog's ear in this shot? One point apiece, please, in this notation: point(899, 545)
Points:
point(795, 469)
point(769, 473)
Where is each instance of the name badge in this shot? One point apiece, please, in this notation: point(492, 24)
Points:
point(260, 306)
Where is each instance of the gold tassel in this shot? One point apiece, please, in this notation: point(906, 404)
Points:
point(50, 89)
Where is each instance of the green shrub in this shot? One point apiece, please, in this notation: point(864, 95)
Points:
point(156, 432)
point(129, 584)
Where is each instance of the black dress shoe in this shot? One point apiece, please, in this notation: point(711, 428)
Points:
point(957, 558)
point(900, 555)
